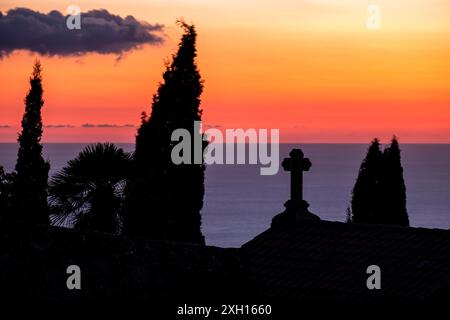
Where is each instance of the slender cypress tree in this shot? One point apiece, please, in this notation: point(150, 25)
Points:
point(379, 195)
point(30, 183)
point(163, 199)
point(366, 199)
point(393, 187)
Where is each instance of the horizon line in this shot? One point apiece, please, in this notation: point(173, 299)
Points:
point(289, 142)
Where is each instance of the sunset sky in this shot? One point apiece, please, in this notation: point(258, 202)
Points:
point(311, 68)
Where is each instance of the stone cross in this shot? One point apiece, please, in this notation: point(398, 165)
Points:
point(296, 164)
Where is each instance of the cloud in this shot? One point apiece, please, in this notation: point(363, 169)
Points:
point(47, 34)
point(59, 126)
point(89, 125)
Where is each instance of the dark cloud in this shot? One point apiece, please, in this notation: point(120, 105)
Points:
point(86, 125)
point(59, 126)
point(47, 34)
point(89, 125)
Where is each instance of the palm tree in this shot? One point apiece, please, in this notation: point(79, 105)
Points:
point(87, 193)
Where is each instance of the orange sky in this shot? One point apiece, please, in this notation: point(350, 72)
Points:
point(310, 68)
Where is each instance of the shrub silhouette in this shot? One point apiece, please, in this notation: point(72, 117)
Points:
point(88, 191)
point(164, 200)
point(6, 184)
point(379, 194)
point(30, 181)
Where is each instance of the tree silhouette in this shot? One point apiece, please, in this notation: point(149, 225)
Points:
point(164, 200)
point(30, 182)
point(88, 191)
point(379, 195)
point(6, 182)
point(393, 187)
point(366, 198)
point(3, 195)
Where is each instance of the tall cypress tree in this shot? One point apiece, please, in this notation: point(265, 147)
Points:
point(164, 200)
point(366, 198)
point(393, 187)
point(30, 183)
point(379, 195)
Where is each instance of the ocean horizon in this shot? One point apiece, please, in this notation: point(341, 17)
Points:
point(239, 202)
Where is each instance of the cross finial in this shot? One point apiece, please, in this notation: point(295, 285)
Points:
point(296, 164)
point(296, 207)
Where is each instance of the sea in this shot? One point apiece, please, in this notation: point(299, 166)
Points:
point(239, 202)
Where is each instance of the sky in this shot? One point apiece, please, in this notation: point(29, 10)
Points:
point(311, 68)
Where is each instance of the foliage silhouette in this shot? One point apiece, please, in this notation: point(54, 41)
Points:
point(88, 191)
point(366, 199)
point(30, 181)
point(393, 187)
point(6, 185)
point(164, 200)
point(379, 194)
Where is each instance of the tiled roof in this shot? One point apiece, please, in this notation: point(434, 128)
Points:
point(309, 260)
point(315, 260)
point(34, 259)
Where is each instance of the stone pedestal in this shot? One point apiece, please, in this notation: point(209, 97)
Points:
point(295, 212)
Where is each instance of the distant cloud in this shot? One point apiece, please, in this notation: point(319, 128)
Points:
point(86, 125)
point(59, 126)
point(89, 125)
point(47, 34)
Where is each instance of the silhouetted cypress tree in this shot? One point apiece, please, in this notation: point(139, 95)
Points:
point(379, 195)
point(164, 200)
point(366, 199)
point(30, 183)
point(393, 189)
